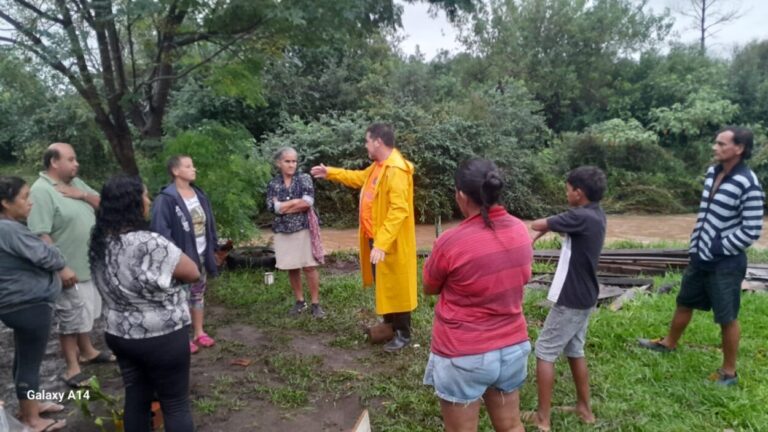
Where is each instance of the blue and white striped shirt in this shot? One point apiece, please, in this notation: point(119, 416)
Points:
point(732, 219)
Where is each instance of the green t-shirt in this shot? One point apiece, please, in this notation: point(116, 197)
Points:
point(68, 221)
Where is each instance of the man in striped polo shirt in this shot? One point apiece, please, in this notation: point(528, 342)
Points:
point(730, 219)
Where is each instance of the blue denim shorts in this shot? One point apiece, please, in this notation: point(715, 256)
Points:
point(465, 379)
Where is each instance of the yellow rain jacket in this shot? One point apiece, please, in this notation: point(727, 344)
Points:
point(394, 227)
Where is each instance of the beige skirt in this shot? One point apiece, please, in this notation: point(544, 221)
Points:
point(294, 251)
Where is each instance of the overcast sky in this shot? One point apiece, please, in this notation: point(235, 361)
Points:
point(434, 34)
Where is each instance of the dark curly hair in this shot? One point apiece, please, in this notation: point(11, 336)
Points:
point(121, 211)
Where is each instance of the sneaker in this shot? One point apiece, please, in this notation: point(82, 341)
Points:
point(298, 308)
point(397, 343)
point(654, 345)
point(721, 378)
point(317, 311)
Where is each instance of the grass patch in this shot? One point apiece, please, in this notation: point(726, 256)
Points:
point(284, 397)
point(632, 389)
point(220, 397)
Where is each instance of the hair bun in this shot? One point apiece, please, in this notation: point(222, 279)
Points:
point(493, 180)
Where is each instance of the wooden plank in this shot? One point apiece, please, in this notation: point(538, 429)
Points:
point(668, 253)
point(627, 296)
point(616, 280)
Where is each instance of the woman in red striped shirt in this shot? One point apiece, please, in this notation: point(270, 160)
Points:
point(480, 341)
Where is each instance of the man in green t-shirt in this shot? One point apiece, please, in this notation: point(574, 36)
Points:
point(63, 214)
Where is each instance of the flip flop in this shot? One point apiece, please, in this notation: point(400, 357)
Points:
point(655, 345)
point(81, 380)
point(529, 417)
point(101, 357)
point(204, 341)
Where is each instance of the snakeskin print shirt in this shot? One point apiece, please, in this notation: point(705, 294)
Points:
point(141, 298)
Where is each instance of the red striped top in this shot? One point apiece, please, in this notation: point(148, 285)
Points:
point(481, 273)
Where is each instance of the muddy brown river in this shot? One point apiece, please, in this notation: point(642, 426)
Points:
point(646, 228)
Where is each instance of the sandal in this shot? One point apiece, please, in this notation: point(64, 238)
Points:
point(193, 349)
point(101, 357)
point(80, 380)
point(204, 341)
point(655, 345)
point(721, 378)
point(531, 417)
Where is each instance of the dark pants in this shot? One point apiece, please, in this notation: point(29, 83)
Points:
point(31, 328)
point(155, 366)
point(399, 320)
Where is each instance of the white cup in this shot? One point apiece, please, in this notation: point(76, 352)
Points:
point(269, 278)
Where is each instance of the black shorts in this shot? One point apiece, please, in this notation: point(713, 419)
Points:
point(715, 286)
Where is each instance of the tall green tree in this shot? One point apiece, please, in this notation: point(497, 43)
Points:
point(563, 49)
point(21, 94)
point(124, 56)
point(748, 76)
point(662, 79)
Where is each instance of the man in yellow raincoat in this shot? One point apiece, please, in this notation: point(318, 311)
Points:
point(387, 228)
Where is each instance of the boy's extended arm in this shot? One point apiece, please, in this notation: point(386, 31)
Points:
point(541, 228)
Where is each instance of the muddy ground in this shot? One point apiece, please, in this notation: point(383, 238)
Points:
point(229, 397)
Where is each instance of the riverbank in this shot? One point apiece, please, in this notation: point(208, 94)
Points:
point(644, 228)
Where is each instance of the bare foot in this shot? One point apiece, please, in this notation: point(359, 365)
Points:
point(534, 418)
point(46, 425)
point(584, 413)
point(46, 407)
point(50, 407)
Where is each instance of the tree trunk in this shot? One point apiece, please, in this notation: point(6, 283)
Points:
point(122, 146)
point(121, 143)
point(703, 28)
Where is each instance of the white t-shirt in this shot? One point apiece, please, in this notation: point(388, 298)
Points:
point(198, 222)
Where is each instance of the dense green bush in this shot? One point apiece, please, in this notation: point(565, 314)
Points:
point(64, 120)
point(759, 161)
point(497, 126)
point(642, 176)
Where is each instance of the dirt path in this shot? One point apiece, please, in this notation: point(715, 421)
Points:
point(645, 228)
point(228, 397)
